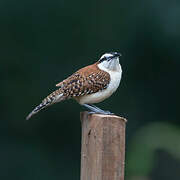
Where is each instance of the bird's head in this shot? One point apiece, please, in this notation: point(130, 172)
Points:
point(110, 61)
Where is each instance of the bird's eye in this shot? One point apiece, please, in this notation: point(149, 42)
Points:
point(102, 59)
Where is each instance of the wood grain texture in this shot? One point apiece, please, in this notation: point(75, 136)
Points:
point(103, 147)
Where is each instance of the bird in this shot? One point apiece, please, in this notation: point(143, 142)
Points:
point(89, 85)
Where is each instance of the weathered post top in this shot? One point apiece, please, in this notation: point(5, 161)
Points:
point(103, 147)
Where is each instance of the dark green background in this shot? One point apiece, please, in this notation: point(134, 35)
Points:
point(42, 42)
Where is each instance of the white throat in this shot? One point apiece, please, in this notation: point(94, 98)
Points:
point(112, 65)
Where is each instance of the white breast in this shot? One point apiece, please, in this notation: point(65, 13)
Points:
point(115, 78)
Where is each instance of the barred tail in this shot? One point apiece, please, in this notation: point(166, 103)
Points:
point(54, 97)
point(36, 110)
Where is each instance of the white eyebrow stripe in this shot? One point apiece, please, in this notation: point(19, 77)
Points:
point(107, 55)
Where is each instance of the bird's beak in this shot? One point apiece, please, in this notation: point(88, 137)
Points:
point(118, 55)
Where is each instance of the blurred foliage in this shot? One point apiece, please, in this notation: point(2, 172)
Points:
point(43, 42)
point(151, 138)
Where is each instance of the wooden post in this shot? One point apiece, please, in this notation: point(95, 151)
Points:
point(103, 147)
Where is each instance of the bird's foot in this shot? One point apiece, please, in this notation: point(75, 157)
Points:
point(91, 112)
point(101, 112)
point(108, 113)
point(96, 110)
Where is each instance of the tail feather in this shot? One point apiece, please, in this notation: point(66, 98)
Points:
point(49, 100)
point(37, 109)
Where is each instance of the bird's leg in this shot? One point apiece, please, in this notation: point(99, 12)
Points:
point(95, 109)
point(103, 112)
